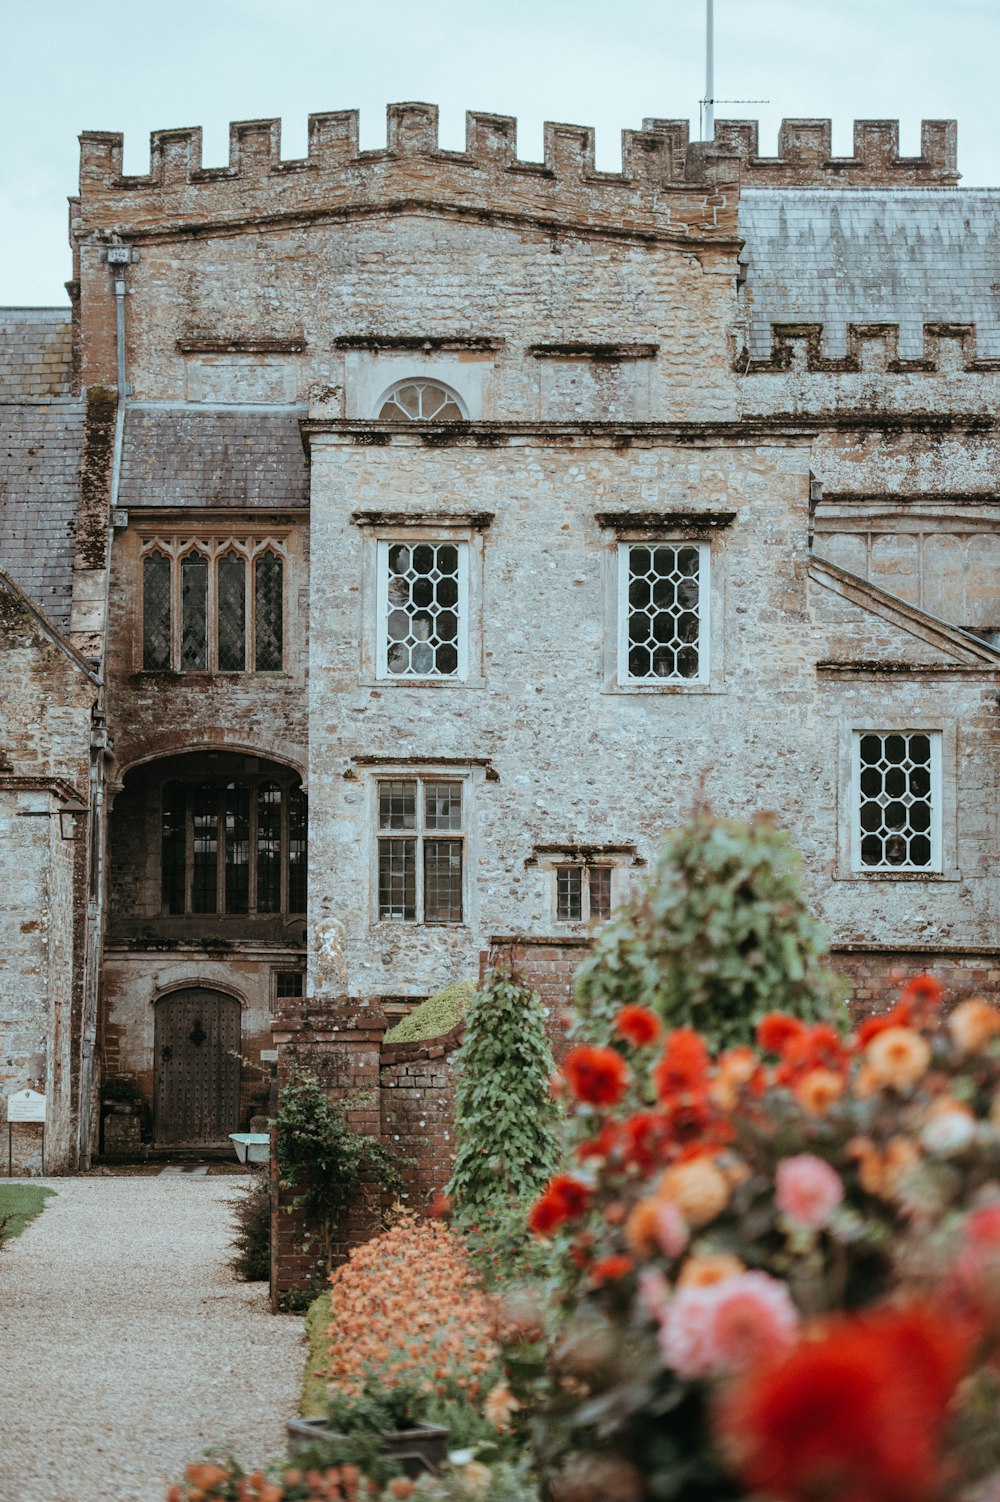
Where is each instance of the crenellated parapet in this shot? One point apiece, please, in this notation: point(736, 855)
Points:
point(805, 155)
point(666, 188)
point(870, 347)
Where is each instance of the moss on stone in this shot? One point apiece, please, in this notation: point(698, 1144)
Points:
point(314, 1385)
point(435, 1016)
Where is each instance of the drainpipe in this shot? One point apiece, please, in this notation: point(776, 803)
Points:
point(119, 257)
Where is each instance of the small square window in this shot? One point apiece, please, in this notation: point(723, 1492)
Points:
point(897, 800)
point(583, 893)
point(288, 983)
point(421, 872)
point(663, 609)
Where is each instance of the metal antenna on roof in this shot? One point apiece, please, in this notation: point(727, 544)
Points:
point(706, 106)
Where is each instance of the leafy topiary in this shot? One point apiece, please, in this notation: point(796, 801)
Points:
point(720, 935)
point(435, 1016)
point(319, 1153)
point(505, 1116)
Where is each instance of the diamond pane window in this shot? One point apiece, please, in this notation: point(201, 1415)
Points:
point(156, 611)
point(420, 876)
point(232, 595)
point(227, 595)
point(173, 848)
point(268, 848)
point(664, 599)
point(423, 591)
point(269, 612)
point(194, 612)
point(897, 783)
point(237, 816)
point(205, 818)
point(421, 401)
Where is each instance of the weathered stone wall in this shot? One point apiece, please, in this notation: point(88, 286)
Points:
point(44, 763)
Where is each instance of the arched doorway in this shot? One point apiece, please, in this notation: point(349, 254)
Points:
point(197, 1067)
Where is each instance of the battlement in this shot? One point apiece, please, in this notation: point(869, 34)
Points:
point(805, 155)
point(664, 188)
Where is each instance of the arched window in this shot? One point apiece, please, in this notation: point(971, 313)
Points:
point(215, 604)
point(421, 401)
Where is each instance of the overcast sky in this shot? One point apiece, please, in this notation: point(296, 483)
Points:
point(607, 63)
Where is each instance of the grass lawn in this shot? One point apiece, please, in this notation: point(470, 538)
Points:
point(19, 1203)
point(313, 1402)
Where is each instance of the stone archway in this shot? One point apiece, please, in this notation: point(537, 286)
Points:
point(197, 1067)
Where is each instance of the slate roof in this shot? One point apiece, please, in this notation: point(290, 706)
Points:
point(177, 456)
point(903, 256)
point(35, 353)
point(41, 444)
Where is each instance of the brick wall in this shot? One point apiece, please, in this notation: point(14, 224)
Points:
point(417, 1100)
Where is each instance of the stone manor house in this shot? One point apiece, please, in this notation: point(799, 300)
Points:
point(428, 531)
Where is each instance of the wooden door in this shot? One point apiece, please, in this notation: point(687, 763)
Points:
point(197, 1043)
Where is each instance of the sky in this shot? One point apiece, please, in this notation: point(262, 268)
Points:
point(606, 63)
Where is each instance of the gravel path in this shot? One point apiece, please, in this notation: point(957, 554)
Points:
point(128, 1348)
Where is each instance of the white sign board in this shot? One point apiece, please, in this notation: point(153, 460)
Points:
point(26, 1105)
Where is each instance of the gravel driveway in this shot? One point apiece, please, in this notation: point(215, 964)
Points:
point(129, 1348)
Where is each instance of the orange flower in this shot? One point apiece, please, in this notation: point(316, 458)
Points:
point(596, 1076)
point(972, 1024)
point(777, 1030)
point(499, 1406)
point(683, 1065)
point(922, 992)
point(564, 1199)
point(819, 1090)
point(898, 1057)
point(641, 1228)
point(610, 1269)
point(205, 1474)
point(702, 1272)
point(697, 1187)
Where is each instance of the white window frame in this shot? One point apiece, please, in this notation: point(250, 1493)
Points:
point(421, 776)
point(382, 609)
point(936, 866)
point(704, 676)
point(585, 867)
point(420, 379)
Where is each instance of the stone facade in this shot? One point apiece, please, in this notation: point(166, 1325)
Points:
point(766, 386)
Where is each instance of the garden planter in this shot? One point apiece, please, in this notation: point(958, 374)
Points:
point(418, 1450)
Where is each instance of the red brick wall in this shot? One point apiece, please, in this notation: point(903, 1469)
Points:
point(417, 1099)
point(876, 974)
point(549, 967)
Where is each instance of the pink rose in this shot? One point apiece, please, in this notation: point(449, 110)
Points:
point(807, 1191)
point(753, 1319)
point(671, 1228)
point(685, 1339)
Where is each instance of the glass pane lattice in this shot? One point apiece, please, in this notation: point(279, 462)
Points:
point(420, 401)
point(194, 612)
point(269, 848)
point(664, 612)
point(232, 611)
point(895, 804)
point(569, 894)
point(205, 817)
point(600, 891)
point(397, 879)
point(422, 609)
point(156, 611)
point(237, 848)
point(442, 881)
point(269, 619)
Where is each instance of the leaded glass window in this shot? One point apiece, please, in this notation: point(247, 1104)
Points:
point(582, 893)
point(423, 609)
point(664, 601)
point(421, 401)
point(236, 846)
point(897, 785)
point(213, 605)
point(420, 873)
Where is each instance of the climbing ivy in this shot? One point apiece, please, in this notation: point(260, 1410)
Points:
point(719, 935)
point(505, 1116)
point(319, 1153)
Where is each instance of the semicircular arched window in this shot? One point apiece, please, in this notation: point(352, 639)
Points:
point(421, 401)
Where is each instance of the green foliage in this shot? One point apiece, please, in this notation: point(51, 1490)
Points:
point(720, 935)
point(320, 1154)
point(252, 1244)
point(19, 1204)
point(505, 1117)
point(314, 1390)
point(435, 1016)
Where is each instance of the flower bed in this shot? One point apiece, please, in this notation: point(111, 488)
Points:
point(782, 1263)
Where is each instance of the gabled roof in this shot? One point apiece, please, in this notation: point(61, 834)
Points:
point(8, 586)
point(958, 648)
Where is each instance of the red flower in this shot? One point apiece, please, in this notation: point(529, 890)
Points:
point(683, 1065)
point(819, 1047)
point(900, 1016)
point(777, 1030)
point(597, 1076)
point(922, 992)
point(645, 1139)
point(857, 1413)
point(601, 1146)
point(610, 1269)
point(565, 1198)
point(639, 1025)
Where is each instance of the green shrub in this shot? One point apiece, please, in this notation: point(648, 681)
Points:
point(252, 1244)
point(719, 935)
point(435, 1016)
point(505, 1116)
point(319, 1153)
